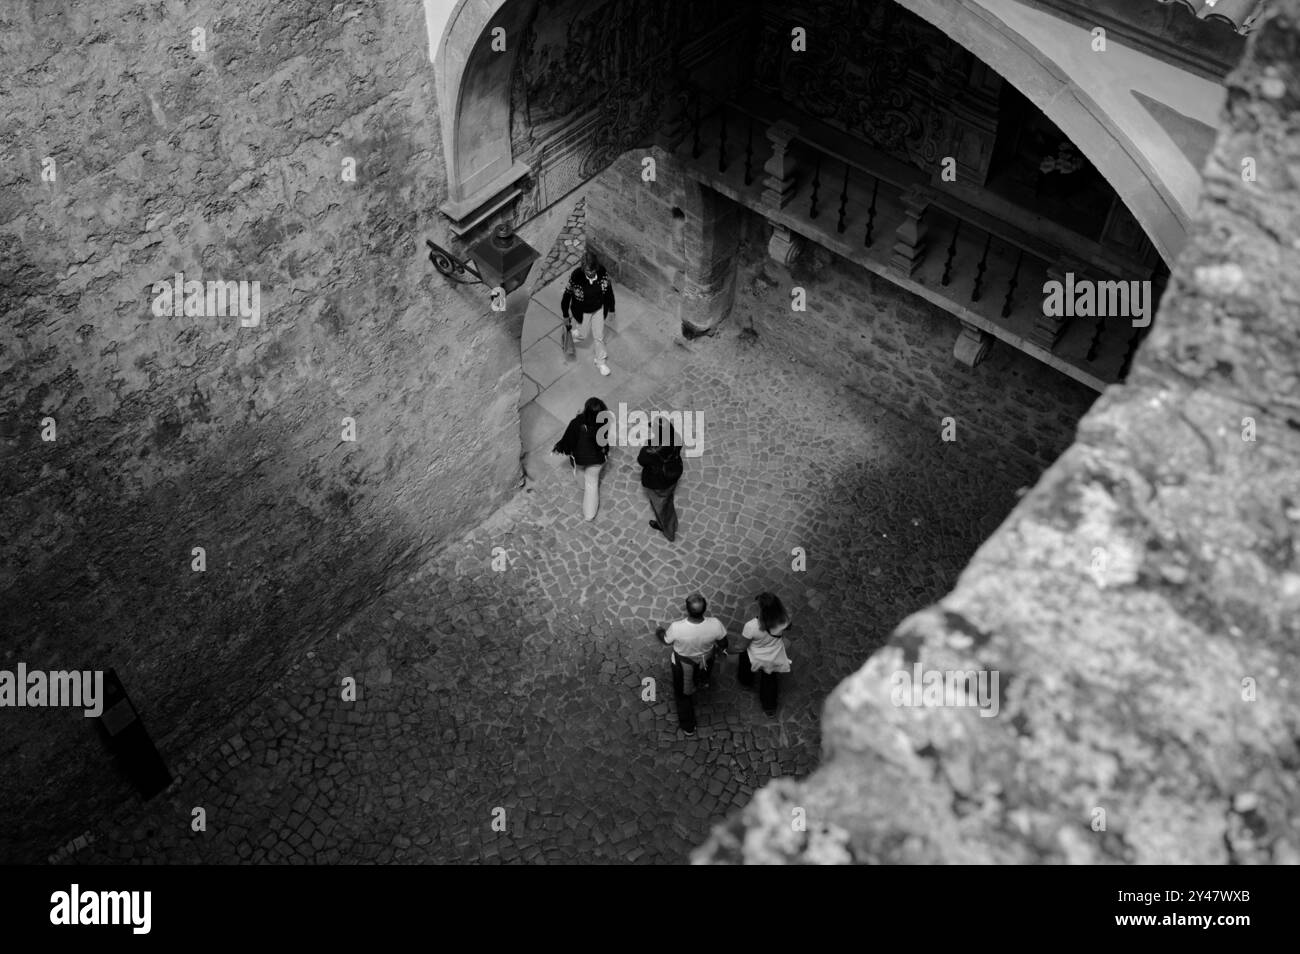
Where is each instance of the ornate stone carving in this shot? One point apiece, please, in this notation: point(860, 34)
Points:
point(784, 245)
point(596, 81)
point(972, 345)
point(882, 74)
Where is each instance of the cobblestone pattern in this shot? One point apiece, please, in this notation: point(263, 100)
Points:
point(566, 254)
point(522, 689)
point(1141, 605)
point(192, 431)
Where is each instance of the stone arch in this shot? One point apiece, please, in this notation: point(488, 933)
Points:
point(472, 82)
point(1038, 56)
point(1045, 60)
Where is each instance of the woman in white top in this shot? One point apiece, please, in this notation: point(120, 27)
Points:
point(765, 651)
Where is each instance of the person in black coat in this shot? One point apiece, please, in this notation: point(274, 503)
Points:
point(589, 292)
point(661, 468)
point(586, 444)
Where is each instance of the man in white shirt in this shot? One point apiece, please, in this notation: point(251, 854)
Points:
point(696, 642)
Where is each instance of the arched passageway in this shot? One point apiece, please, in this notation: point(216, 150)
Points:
point(537, 97)
point(490, 150)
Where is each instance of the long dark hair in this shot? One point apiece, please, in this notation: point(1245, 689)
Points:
point(664, 440)
point(771, 611)
point(592, 411)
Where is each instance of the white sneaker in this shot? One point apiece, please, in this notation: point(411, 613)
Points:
point(603, 367)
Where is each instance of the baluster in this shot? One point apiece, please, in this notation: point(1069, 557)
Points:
point(979, 272)
point(1011, 288)
point(722, 140)
point(695, 146)
point(952, 253)
point(749, 154)
point(1095, 344)
point(844, 199)
point(1133, 342)
point(816, 184)
point(871, 212)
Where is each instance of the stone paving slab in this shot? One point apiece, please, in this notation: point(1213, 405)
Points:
point(538, 428)
point(566, 396)
point(642, 333)
point(545, 363)
point(515, 696)
point(538, 323)
point(528, 389)
point(551, 295)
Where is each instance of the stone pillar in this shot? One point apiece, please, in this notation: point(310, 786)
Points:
point(782, 174)
point(711, 235)
point(972, 345)
point(1047, 329)
point(910, 242)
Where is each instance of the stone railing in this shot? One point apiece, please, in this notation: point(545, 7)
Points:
point(815, 183)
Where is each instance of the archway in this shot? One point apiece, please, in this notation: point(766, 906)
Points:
point(1054, 64)
point(1051, 62)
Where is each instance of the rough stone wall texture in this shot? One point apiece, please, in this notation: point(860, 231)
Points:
point(1157, 682)
point(175, 433)
point(630, 223)
point(885, 342)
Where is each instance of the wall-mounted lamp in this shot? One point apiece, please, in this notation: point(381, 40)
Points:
point(502, 260)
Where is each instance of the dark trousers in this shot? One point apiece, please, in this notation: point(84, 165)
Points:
point(768, 686)
point(661, 502)
point(687, 675)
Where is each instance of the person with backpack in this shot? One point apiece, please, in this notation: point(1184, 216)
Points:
point(765, 652)
point(661, 467)
point(589, 292)
point(586, 447)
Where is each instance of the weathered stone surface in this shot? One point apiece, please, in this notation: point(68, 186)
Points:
point(871, 337)
point(524, 688)
point(174, 433)
point(669, 239)
point(1135, 597)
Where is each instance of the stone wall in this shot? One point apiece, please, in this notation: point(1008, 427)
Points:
point(887, 343)
point(1141, 605)
point(183, 432)
point(669, 239)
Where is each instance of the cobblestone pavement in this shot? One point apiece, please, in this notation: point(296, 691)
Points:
point(567, 251)
point(522, 690)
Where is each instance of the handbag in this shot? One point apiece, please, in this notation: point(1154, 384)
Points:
point(566, 341)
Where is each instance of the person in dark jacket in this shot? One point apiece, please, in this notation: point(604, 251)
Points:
point(586, 447)
point(589, 292)
point(661, 468)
